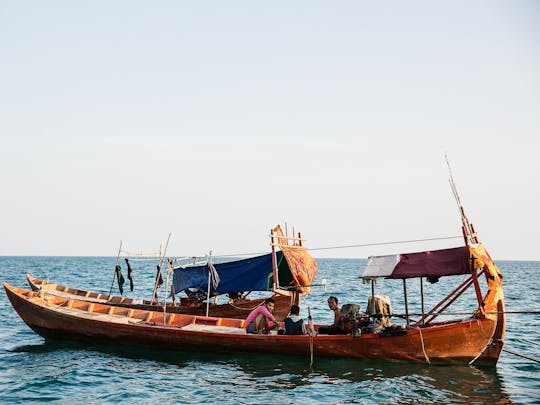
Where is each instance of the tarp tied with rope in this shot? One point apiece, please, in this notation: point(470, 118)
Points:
point(433, 263)
point(494, 280)
point(251, 274)
point(302, 265)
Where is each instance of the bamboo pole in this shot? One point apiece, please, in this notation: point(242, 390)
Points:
point(274, 260)
point(162, 257)
point(208, 259)
point(114, 274)
point(169, 272)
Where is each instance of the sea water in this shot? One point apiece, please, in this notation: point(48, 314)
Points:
point(33, 370)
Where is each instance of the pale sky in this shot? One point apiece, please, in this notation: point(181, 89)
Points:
point(217, 120)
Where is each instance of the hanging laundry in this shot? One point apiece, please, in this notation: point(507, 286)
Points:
point(120, 278)
point(159, 279)
point(130, 276)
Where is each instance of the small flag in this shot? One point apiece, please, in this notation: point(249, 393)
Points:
point(213, 275)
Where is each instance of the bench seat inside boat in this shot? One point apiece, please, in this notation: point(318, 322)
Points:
point(212, 328)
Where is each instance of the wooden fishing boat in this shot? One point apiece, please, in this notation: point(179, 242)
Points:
point(464, 341)
point(235, 309)
point(477, 338)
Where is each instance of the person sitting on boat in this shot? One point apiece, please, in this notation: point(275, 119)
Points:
point(261, 320)
point(294, 324)
point(336, 328)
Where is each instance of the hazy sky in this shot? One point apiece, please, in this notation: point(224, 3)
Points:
point(217, 120)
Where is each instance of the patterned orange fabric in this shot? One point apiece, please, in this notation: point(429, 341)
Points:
point(303, 266)
point(495, 288)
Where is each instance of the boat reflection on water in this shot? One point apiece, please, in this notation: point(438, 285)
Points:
point(343, 380)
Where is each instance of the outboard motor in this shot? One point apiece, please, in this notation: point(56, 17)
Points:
point(352, 319)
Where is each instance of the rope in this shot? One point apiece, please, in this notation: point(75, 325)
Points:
point(386, 243)
point(423, 348)
point(351, 246)
point(520, 355)
point(244, 309)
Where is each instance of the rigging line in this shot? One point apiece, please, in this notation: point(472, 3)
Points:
point(386, 243)
point(354, 246)
point(520, 355)
point(461, 313)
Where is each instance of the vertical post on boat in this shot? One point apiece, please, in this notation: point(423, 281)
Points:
point(208, 288)
point(406, 301)
point(160, 263)
point(173, 296)
point(477, 286)
point(300, 239)
point(295, 299)
point(114, 273)
point(372, 290)
point(274, 260)
point(422, 296)
point(169, 271)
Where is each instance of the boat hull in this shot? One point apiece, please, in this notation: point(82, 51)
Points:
point(53, 317)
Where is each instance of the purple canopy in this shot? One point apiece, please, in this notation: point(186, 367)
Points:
point(433, 263)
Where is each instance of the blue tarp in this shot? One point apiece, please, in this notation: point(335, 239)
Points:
point(243, 275)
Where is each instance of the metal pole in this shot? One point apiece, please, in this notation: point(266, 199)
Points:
point(422, 295)
point(406, 302)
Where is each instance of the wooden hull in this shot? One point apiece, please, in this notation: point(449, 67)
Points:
point(239, 309)
point(65, 318)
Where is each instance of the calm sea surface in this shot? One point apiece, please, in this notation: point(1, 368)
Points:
point(32, 370)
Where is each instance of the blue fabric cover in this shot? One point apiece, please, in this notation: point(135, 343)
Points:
point(242, 275)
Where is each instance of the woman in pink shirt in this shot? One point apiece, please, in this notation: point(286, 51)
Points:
point(261, 320)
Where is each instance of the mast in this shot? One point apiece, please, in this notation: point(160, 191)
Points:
point(469, 235)
point(468, 230)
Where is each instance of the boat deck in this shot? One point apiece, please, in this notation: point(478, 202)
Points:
point(128, 318)
point(212, 328)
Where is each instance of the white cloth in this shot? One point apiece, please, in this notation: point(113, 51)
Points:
point(380, 266)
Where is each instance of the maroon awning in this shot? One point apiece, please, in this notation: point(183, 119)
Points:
point(434, 263)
